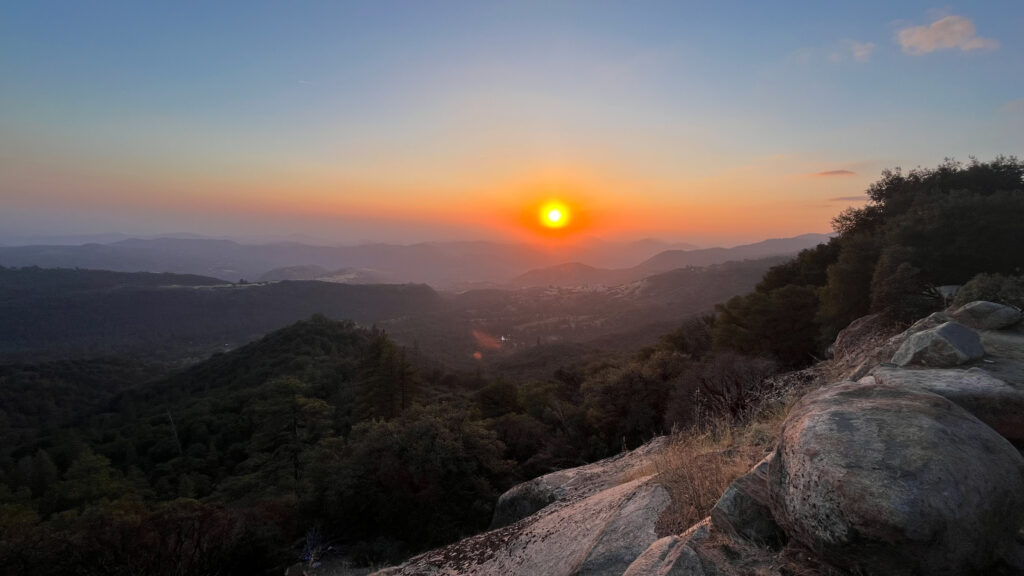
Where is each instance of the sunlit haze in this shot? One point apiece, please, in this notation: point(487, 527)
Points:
point(413, 121)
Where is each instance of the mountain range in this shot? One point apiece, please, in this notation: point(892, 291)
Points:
point(444, 265)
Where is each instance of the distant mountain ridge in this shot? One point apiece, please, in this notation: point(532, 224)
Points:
point(75, 313)
point(444, 265)
point(578, 274)
point(342, 276)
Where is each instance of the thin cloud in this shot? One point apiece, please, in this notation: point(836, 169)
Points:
point(862, 50)
point(861, 198)
point(948, 33)
point(859, 51)
point(835, 173)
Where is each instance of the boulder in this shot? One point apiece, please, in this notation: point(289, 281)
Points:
point(948, 344)
point(930, 321)
point(871, 340)
point(669, 556)
point(861, 331)
point(983, 315)
point(988, 398)
point(572, 484)
point(743, 510)
point(888, 480)
point(521, 500)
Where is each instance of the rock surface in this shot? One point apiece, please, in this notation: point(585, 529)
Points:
point(597, 524)
point(669, 556)
point(911, 470)
point(871, 340)
point(895, 481)
point(994, 402)
point(743, 510)
point(949, 344)
point(571, 484)
point(983, 315)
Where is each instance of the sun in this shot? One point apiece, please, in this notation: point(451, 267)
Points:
point(554, 215)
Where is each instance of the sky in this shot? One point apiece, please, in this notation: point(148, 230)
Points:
point(714, 123)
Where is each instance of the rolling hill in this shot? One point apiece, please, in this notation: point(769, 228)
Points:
point(577, 274)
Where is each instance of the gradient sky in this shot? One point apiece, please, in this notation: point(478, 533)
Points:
point(710, 122)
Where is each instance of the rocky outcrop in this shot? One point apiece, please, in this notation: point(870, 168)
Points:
point(948, 344)
point(910, 470)
point(982, 315)
point(896, 481)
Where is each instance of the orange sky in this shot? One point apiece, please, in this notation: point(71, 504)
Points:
point(353, 121)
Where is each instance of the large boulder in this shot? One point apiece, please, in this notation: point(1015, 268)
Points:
point(893, 481)
point(983, 315)
point(743, 510)
point(988, 398)
point(948, 344)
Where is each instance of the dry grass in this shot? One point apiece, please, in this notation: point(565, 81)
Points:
point(700, 464)
point(696, 470)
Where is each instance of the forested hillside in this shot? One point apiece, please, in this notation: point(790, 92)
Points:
point(921, 230)
point(321, 425)
point(325, 433)
point(56, 313)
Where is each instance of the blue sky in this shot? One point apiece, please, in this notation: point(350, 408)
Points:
point(423, 120)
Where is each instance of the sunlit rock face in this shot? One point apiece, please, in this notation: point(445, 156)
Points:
point(898, 480)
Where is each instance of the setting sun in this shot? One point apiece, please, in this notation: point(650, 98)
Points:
point(554, 215)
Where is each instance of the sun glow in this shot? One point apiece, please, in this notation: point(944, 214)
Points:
point(554, 215)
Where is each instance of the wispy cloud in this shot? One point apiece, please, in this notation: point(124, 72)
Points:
point(947, 33)
point(859, 51)
point(861, 198)
point(835, 173)
point(862, 50)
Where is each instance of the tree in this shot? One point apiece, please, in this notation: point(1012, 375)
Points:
point(623, 405)
point(387, 382)
point(44, 473)
point(289, 424)
point(423, 478)
point(921, 229)
point(90, 479)
point(780, 324)
point(847, 295)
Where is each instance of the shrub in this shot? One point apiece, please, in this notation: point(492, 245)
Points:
point(994, 288)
